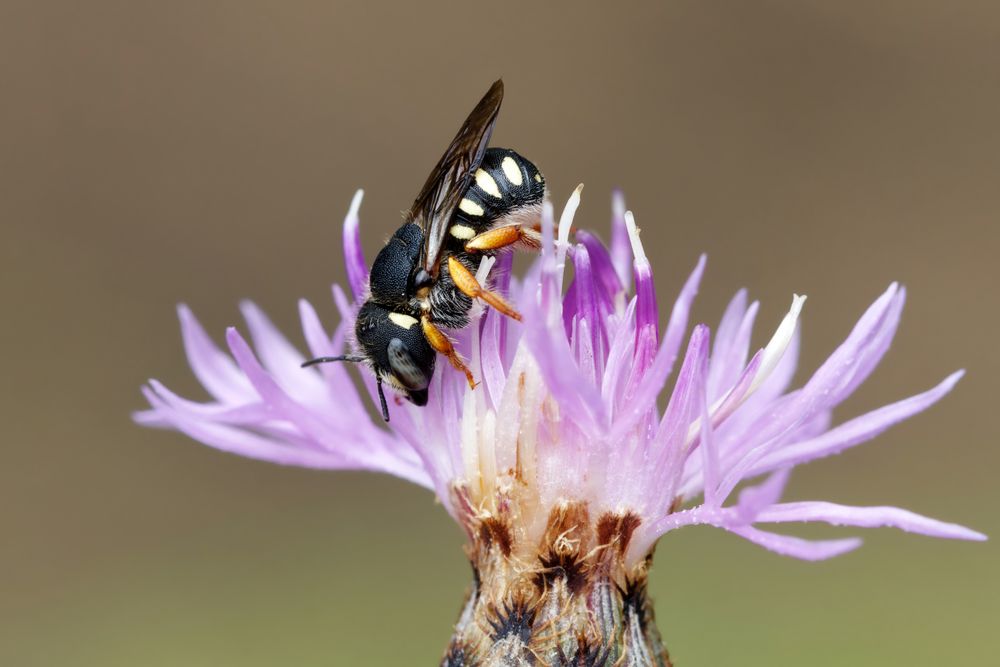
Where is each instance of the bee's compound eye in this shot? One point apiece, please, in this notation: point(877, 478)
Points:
point(404, 368)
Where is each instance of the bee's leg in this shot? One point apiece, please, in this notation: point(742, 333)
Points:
point(441, 343)
point(381, 398)
point(467, 283)
point(503, 237)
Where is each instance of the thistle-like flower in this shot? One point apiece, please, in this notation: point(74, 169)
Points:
point(560, 466)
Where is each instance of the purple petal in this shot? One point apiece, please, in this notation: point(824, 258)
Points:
point(692, 481)
point(795, 546)
point(548, 230)
point(866, 517)
point(340, 386)
point(822, 391)
point(672, 433)
point(571, 303)
point(727, 359)
point(604, 270)
point(242, 442)
point(545, 338)
point(502, 276)
point(491, 356)
point(872, 353)
point(319, 343)
point(734, 395)
point(856, 431)
point(354, 254)
point(646, 316)
point(727, 519)
point(550, 349)
point(621, 247)
point(213, 368)
point(347, 311)
point(709, 453)
point(644, 397)
point(832, 382)
point(619, 361)
point(281, 358)
point(223, 413)
point(321, 434)
point(753, 499)
point(590, 317)
point(646, 312)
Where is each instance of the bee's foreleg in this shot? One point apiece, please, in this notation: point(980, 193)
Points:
point(441, 343)
point(466, 282)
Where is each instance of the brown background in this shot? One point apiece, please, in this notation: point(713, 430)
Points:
point(152, 153)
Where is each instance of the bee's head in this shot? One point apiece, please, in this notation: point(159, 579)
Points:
point(398, 350)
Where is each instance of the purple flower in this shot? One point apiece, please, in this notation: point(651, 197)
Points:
point(560, 466)
point(566, 411)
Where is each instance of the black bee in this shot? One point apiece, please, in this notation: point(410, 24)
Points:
point(476, 201)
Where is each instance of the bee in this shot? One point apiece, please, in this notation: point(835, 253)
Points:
point(477, 201)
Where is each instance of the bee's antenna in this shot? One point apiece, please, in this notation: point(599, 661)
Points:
point(323, 360)
point(381, 399)
point(355, 359)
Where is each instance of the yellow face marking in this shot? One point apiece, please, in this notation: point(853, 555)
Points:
point(462, 232)
point(511, 170)
point(470, 207)
point(402, 320)
point(538, 178)
point(487, 184)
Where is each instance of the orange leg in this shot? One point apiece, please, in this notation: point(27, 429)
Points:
point(494, 239)
point(528, 237)
point(467, 282)
point(441, 343)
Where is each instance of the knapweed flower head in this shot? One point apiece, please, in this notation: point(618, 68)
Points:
point(560, 465)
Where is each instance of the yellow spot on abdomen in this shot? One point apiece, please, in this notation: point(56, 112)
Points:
point(487, 184)
point(462, 232)
point(511, 170)
point(538, 178)
point(470, 207)
point(402, 320)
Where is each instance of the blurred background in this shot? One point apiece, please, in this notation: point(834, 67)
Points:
point(153, 153)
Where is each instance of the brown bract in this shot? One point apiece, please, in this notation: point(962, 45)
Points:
point(564, 598)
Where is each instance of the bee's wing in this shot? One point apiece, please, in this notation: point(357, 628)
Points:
point(441, 194)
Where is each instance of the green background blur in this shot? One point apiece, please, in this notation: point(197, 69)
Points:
point(153, 153)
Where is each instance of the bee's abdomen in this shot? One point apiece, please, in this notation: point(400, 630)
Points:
point(504, 183)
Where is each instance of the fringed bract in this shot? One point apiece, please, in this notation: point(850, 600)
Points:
point(566, 599)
